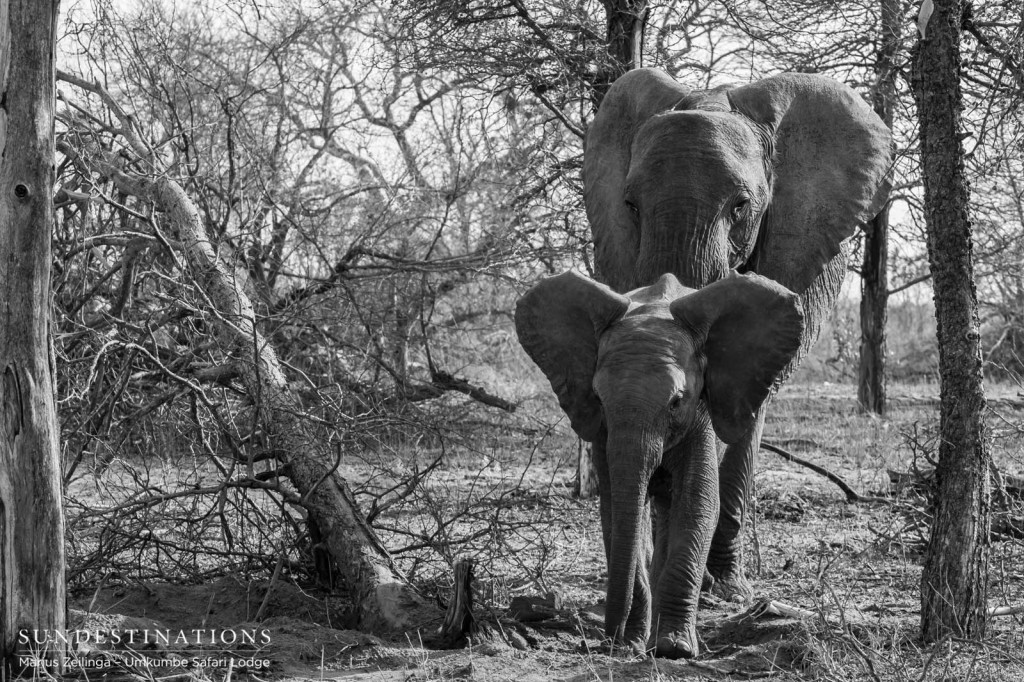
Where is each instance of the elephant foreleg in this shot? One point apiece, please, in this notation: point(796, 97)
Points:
point(735, 480)
point(690, 519)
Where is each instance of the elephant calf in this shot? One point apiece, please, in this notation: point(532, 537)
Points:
point(650, 378)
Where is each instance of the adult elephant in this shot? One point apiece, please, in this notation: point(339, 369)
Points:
point(770, 177)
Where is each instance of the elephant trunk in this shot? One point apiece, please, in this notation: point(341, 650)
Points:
point(694, 248)
point(626, 619)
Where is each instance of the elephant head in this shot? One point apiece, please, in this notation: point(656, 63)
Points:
point(650, 377)
point(770, 177)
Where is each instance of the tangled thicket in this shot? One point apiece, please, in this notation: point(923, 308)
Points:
point(373, 216)
point(379, 191)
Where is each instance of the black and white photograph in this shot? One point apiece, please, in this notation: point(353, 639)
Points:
point(512, 340)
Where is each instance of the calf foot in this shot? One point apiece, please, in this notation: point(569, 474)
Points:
point(677, 644)
point(732, 586)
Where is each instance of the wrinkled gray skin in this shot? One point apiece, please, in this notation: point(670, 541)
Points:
point(650, 378)
point(770, 178)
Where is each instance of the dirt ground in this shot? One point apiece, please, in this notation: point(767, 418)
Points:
point(853, 569)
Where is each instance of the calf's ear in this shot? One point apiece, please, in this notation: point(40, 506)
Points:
point(559, 323)
point(747, 329)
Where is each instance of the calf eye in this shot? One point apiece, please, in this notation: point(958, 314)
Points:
point(676, 403)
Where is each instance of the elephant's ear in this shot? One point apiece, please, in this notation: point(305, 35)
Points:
point(629, 103)
point(747, 329)
point(831, 162)
point(559, 322)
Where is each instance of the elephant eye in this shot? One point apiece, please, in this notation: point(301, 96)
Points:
point(739, 208)
point(632, 208)
point(676, 402)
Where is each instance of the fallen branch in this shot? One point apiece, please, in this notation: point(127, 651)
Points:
point(770, 607)
point(851, 494)
point(442, 382)
point(997, 611)
point(1003, 485)
point(447, 382)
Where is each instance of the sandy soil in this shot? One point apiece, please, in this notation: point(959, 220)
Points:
point(853, 568)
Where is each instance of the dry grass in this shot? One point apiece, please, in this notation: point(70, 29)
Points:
point(502, 495)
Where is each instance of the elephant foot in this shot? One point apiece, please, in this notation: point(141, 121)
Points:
point(732, 586)
point(677, 644)
point(708, 582)
point(709, 600)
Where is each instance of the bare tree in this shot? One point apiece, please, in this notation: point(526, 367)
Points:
point(285, 250)
point(624, 35)
point(875, 265)
point(954, 583)
point(380, 592)
point(993, 81)
point(31, 520)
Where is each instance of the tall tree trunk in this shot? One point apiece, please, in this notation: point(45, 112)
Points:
point(31, 518)
point(624, 35)
point(874, 269)
point(874, 297)
point(585, 485)
point(954, 583)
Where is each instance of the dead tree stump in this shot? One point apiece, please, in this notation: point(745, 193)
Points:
point(460, 624)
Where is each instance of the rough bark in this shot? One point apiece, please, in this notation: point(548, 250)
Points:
point(873, 313)
point(624, 35)
point(954, 580)
point(384, 599)
point(31, 520)
point(874, 268)
point(586, 485)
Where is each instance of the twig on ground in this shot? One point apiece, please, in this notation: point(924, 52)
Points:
point(770, 607)
point(262, 610)
point(851, 494)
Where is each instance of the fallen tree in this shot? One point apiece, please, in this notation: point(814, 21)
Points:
point(383, 598)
